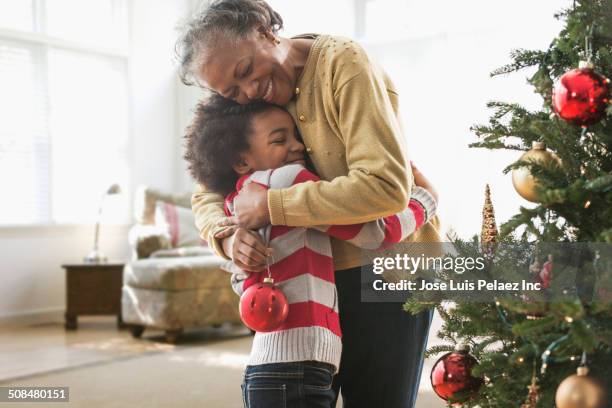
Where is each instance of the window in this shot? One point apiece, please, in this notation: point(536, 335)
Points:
point(64, 103)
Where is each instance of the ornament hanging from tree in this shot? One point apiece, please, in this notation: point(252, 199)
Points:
point(263, 306)
point(451, 376)
point(581, 95)
point(489, 234)
point(523, 181)
point(580, 391)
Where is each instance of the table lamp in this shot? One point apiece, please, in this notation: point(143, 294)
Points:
point(95, 256)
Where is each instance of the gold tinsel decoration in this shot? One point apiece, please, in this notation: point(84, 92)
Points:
point(489, 233)
point(534, 393)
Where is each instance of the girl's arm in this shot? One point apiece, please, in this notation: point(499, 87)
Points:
point(389, 230)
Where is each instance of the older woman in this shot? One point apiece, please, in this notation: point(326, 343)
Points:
point(346, 109)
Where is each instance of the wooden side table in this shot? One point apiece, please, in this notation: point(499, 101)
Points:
point(93, 289)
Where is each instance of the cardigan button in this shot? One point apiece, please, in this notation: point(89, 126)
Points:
point(302, 118)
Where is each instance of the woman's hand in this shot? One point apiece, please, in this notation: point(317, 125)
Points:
point(246, 249)
point(421, 181)
point(230, 224)
point(251, 207)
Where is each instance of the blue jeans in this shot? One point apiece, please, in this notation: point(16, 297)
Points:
point(302, 384)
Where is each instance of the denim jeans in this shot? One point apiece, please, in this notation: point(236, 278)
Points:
point(382, 349)
point(302, 384)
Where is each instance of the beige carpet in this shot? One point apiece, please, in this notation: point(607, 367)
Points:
point(107, 368)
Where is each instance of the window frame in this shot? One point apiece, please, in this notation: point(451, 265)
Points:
point(38, 37)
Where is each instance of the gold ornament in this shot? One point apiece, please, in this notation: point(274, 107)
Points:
point(580, 391)
point(522, 180)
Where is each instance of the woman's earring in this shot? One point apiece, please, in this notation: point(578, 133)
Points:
point(276, 41)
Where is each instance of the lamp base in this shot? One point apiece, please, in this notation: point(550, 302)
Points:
point(95, 256)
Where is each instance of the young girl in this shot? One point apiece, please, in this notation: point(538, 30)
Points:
point(230, 145)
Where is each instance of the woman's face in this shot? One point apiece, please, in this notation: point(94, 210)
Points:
point(255, 68)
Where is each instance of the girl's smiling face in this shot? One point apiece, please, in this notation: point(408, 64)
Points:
point(273, 143)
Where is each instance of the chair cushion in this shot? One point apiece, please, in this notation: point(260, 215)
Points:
point(186, 251)
point(177, 310)
point(177, 273)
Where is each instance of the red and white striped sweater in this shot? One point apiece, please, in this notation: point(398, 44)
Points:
point(302, 266)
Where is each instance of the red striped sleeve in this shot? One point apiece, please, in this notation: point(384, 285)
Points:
point(344, 232)
point(418, 211)
point(228, 202)
point(393, 229)
point(305, 175)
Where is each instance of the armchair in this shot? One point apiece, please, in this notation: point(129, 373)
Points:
point(173, 282)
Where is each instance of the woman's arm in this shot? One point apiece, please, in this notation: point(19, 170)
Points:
point(208, 210)
point(378, 182)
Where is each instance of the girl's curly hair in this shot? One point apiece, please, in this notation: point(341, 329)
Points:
point(216, 137)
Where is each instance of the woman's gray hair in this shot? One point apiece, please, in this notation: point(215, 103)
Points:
point(221, 20)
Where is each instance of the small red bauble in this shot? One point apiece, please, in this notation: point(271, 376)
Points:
point(263, 306)
point(451, 375)
point(580, 96)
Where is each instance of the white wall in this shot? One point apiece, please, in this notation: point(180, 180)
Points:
point(33, 286)
point(187, 97)
point(31, 257)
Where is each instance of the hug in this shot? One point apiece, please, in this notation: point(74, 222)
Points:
point(299, 154)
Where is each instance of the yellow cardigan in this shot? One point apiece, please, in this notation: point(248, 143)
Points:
point(346, 109)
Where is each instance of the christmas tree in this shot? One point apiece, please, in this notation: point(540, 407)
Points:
point(527, 349)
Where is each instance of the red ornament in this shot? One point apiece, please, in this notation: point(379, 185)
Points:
point(452, 375)
point(581, 95)
point(545, 276)
point(263, 306)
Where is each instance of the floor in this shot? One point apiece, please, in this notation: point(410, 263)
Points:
point(105, 367)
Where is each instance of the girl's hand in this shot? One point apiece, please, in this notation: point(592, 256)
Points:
point(421, 181)
point(251, 207)
point(247, 250)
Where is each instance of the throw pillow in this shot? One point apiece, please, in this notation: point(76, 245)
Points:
point(179, 222)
